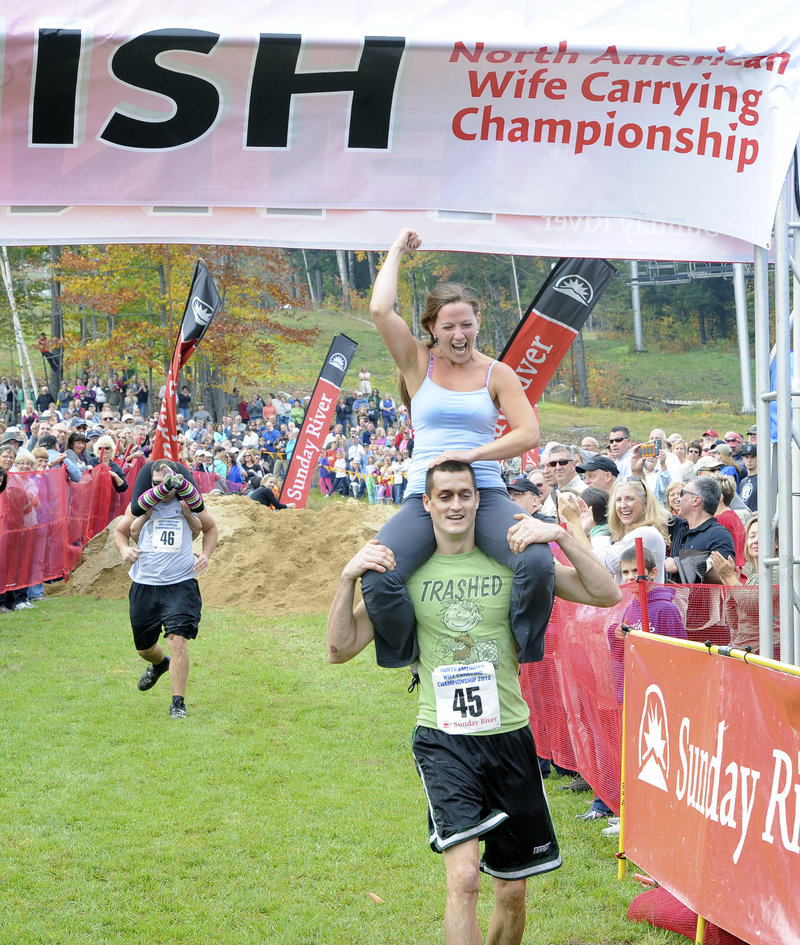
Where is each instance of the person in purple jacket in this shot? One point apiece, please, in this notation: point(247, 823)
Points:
point(663, 616)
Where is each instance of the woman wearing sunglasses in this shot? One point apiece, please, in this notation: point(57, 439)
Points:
point(250, 465)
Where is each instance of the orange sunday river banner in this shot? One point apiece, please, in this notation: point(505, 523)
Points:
point(712, 784)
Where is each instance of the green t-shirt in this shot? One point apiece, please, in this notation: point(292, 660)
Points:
point(469, 676)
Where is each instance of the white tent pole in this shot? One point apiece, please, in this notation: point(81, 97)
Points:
point(744, 340)
point(783, 382)
point(766, 499)
point(794, 257)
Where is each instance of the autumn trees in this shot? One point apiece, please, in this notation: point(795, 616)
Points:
point(119, 307)
point(124, 304)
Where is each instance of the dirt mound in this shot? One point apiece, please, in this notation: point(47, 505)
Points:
point(270, 562)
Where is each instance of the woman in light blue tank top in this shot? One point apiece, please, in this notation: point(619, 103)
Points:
point(454, 394)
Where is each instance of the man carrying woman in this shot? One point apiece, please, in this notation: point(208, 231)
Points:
point(454, 394)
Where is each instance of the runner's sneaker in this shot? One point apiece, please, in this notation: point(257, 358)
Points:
point(152, 674)
point(23, 605)
point(172, 480)
point(611, 831)
point(178, 708)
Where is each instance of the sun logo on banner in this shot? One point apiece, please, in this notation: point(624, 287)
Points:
point(338, 361)
point(654, 740)
point(576, 287)
point(202, 312)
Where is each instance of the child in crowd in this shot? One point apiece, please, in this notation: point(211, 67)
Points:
point(663, 616)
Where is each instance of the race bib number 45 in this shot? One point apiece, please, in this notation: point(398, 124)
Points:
point(167, 534)
point(466, 697)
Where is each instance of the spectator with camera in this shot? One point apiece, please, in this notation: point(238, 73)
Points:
point(102, 454)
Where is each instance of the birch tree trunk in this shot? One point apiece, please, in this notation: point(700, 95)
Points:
point(341, 260)
point(311, 293)
point(416, 306)
point(22, 349)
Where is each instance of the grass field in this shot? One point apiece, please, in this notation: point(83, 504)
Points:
point(269, 815)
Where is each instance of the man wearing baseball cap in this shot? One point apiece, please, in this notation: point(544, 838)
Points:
point(707, 466)
point(527, 496)
point(734, 441)
point(599, 473)
point(13, 438)
point(748, 487)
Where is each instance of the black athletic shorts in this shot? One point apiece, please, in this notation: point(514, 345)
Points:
point(175, 607)
point(489, 787)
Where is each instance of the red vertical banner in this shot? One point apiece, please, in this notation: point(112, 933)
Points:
point(316, 421)
point(551, 323)
point(201, 306)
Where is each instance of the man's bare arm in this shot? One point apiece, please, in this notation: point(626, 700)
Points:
point(192, 519)
point(210, 536)
point(349, 630)
point(122, 535)
point(587, 581)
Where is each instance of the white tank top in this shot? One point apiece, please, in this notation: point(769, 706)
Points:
point(452, 420)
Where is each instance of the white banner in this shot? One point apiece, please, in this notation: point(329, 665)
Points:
point(342, 229)
point(686, 117)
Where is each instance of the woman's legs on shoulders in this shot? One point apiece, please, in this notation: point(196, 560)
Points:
point(534, 572)
point(409, 533)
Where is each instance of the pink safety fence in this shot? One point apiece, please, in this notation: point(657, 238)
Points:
point(46, 520)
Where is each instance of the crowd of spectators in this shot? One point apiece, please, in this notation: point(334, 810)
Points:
point(694, 505)
point(662, 489)
point(30, 459)
point(366, 456)
point(366, 452)
point(244, 450)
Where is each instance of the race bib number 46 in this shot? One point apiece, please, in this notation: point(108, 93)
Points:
point(167, 534)
point(466, 697)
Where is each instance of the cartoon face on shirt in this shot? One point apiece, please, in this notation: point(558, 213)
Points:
point(461, 616)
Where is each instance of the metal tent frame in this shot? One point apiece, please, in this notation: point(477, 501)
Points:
point(778, 461)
